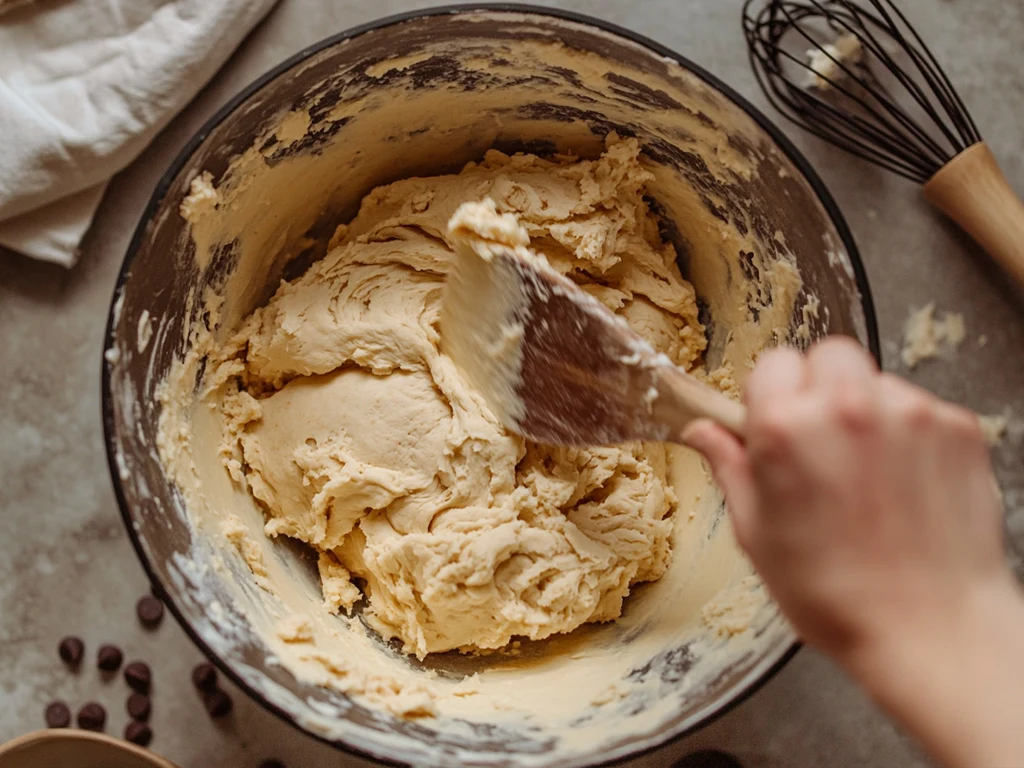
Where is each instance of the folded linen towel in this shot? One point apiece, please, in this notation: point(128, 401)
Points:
point(85, 85)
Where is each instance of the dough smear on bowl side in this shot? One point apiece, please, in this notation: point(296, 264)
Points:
point(359, 438)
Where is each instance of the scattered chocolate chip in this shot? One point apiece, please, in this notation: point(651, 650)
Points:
point(71, 650)
point(109, 658)
point(204, 676)
point(57, 715)
point(272, 764)
point(218, 703)
point(138, 707)
point(92, 717)
point(138, 733)
point(149, 610)
point(138, 676)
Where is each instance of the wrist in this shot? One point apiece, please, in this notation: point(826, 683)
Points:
point(956, 687)
point(920, 649)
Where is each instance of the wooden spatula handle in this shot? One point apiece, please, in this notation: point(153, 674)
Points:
point(972, 190)
point(683, 399)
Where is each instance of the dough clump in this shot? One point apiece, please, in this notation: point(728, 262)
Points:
point(925, 335)
point(358, 437)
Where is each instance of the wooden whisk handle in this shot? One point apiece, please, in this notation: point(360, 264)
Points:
point(972, 190)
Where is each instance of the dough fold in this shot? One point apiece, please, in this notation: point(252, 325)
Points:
point(360, 438)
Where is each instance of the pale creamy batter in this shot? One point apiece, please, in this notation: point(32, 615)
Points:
point(361, 439)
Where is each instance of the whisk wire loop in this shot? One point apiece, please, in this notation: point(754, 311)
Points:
point(885, 99)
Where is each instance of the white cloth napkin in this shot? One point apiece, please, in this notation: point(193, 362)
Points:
point(85, 85)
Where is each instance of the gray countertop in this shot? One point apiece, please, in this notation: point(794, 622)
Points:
point(66, 566)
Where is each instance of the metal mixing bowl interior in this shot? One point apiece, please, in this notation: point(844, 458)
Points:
point(423, 94)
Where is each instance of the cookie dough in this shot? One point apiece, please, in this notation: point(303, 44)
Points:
point(993, 427)
point(925, 335)
point(825, 65)
point(358, 437)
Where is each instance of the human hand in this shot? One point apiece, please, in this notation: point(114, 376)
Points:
point(867, 505)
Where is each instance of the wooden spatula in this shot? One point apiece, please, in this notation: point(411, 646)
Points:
point(554, 364)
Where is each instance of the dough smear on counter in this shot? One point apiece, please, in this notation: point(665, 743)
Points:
point(925, 335)
point(358, 437)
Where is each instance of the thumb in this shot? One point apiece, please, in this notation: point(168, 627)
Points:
point(731, 468)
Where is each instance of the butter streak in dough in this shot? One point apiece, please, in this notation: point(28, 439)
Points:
point(360, 438)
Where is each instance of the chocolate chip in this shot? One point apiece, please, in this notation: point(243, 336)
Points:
point(218, 703)
point(204, 676)
point(138, 676)
point(71, 650)
point(272, 764)
point(149, 610)
point(138, 733)
point(57, 715)
point(138, 706)
point(708, 759)
point(109, 658)
point(92, 717)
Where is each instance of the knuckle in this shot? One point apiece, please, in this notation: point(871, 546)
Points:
point(853, 408)
point(919, 412)
point(771, 432)
point(770, 364)
point(905, 403)
point(962, 424)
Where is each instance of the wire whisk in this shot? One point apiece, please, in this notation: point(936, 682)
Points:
point(859, 76)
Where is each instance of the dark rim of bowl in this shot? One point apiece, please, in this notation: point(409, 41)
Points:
point(783, 143)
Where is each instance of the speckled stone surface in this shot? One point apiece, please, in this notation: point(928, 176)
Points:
point(66, 565)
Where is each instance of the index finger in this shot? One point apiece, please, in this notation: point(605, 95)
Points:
point(780, 371)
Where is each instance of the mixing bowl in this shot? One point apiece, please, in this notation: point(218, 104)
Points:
point(422, 94)
point(72, 748)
